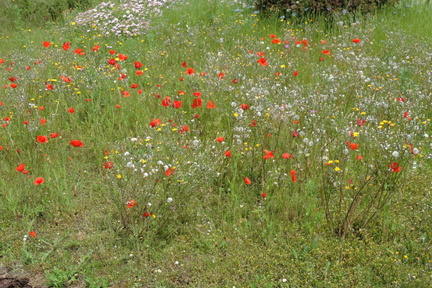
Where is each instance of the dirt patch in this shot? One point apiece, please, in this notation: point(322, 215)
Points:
point(14, 283)
point(17, 277)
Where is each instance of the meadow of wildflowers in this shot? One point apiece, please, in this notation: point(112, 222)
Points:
point(212, 148)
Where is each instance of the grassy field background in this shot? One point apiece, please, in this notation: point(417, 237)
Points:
point(218, 149)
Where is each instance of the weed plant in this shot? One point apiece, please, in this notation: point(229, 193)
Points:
point(218, 149)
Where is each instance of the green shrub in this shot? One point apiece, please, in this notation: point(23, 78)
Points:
point(305, 8)
point(37, 12)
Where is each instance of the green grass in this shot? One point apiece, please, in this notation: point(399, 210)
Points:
point(348, 220)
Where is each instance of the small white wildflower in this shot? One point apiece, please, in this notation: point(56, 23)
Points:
point(169, 200)
point(395, 154)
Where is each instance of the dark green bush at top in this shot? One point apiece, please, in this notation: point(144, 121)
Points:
point(37, 12)
point(305, 8)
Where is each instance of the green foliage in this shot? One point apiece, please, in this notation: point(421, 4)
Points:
point(310, 8)
point(27, 13)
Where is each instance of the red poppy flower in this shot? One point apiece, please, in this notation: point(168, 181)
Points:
point(20, 168)
point(71, 110)
point(295, 134)
point(46, 44)
point(395, 167)
point(210, 104)
point(42, 121)
point(220, 139)
point(130, 203)
point(54, 135)
point(146, 214)
point(76, 143)
point(247, 181)
point(235, 81)
point(268, 154)
point(244, 106)
point(39, 180)
point(13, 79)
point(327, 52)
point(262, 62)
point(355, 40)
point(166, 102)
point(134, 86)
point(96, 48)
point(108, 165)
point(112, 61)
point(359, 157)
point(155, 122)
point(184, 65)
point(287, 156)
point(184, 128)
point(272, 36)
point(13, 85)
point(264, 195)
point(169, 172)
point(295, 73)
point(138, 64)
point(261, 54)
point(190, 71)
point(293, 176)
point(112, 52)
point(177, 104)
point(66, 79)
point(228, 153)
point(42, 139)
point(122, 57)
point(197, 94)
point(352, 146)
point(66, 46)
point(139, 72)
point(275, 41)
point(361, 122)
point(32, 234)
point(253, 123)
point(197, 102)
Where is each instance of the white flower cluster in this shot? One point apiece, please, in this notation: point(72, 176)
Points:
point(130, 18)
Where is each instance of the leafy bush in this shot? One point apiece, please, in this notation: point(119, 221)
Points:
point(37, 12)
point(301, 8)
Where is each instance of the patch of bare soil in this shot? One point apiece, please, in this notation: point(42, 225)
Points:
point(14, 283)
